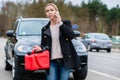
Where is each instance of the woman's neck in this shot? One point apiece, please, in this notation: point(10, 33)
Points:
point(53, 22)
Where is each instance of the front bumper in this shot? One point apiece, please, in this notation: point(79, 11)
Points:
point(84, 63)
point(84, 60)
point(101, 46)
point(20, 65)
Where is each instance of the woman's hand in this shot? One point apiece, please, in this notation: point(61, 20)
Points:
point(37, 48)
point(58, 17)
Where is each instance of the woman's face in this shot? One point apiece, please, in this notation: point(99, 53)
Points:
point(50, 12)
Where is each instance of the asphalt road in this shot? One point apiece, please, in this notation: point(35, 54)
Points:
point(4, 75)
point(102, 65)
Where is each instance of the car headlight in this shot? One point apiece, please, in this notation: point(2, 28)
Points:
point(22, 48)
point(81, 48)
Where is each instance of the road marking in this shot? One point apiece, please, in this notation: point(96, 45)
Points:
point(103, 74)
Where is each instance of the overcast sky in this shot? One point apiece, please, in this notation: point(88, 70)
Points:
point(109, 3)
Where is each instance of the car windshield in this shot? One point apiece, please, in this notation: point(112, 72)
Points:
point(102, 37)
point(31, 28)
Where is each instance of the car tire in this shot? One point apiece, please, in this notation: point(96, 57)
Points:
point(80, 74)
point(89, 48)
point(16, 74)
point(8, 67)
point(97, 50)
point(109, 50)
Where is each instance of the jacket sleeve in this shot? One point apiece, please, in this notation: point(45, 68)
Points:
point(42, 41)
point(66, 29)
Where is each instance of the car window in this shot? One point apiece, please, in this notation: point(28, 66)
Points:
point(90, 36)
point(102, 37)
point(87, 36)
point(29, 28)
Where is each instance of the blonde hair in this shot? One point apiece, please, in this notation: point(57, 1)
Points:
point(52, 4)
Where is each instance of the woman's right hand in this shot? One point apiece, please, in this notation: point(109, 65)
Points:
point(58, 17)
point(37, 47)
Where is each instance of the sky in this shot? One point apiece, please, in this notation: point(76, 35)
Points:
point(110, 3)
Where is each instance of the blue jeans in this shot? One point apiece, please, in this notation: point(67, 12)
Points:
point(58, 71)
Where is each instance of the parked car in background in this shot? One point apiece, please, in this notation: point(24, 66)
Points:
point(116, 41)
point(98, 41)
point(26, 33)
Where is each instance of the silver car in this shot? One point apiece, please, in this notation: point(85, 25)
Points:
point(98, 41)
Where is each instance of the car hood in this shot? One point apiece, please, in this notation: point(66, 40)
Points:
point(79, 47)
point(27, 43)
point(31, 40)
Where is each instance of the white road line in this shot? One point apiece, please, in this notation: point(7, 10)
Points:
point(103, 74)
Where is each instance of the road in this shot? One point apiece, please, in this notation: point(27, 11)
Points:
point(4, 75)
point(102, 65)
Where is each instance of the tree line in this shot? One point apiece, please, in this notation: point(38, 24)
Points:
point(93, 16)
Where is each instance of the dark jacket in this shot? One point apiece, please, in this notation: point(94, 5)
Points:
point(70, 57)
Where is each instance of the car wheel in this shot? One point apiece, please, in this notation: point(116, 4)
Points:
point(80, 74)
point(8, 67)
point(89, 48)
point(15, 73)
point(97, 50)
point(109, 50)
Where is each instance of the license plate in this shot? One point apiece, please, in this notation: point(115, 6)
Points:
point(103, 47)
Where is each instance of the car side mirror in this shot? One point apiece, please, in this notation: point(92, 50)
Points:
point(10, 33)
point(77, 33)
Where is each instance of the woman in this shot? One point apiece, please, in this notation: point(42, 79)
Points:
point(57, 35)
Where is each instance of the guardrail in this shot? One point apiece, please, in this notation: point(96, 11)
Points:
point(116, 46)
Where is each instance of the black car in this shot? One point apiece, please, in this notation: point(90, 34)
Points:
point(81, 73)
point(26, 33)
